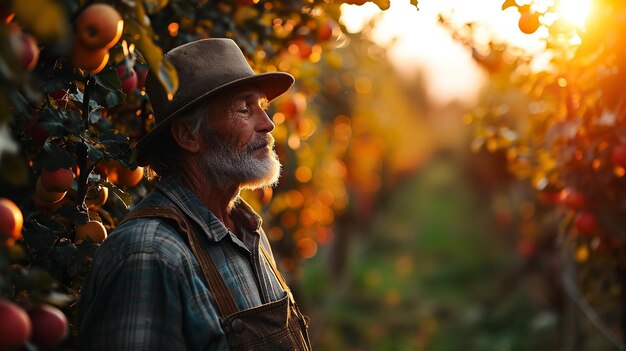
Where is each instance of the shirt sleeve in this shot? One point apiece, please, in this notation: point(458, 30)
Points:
point(135, 307)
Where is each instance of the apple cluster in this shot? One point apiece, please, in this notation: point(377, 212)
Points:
point(98, 28)
point(43, 325)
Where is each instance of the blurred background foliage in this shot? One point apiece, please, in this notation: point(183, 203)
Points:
point(401, 223)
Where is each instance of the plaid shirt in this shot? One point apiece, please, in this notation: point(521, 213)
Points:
point(146, 291)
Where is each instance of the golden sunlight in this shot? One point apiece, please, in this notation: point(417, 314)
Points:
point(574, 11)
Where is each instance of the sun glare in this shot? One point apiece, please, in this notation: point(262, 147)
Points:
point(575, 11)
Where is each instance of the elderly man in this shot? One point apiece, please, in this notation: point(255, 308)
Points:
point(190, 267)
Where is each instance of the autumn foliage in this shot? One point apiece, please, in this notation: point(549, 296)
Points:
point(73, 103)
point(560, 126)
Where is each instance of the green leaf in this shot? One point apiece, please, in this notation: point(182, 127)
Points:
point(94, 178)
point(61, 122)
point(168, 76)
point(60, 78)
point(95, 98)
point(154, 56)
point(114, 144)
point(51, 85)
point(110, 136)
point(72, 122)
point(54, 157)
point(107, 91)
point(73, 213)
point(38, 236)
point(65, 255)
point(94, 153)
point(112, 99)
point(34, 278)
point(127, 163)
point(95, 115)
point(77, 96)
point(134, 155)
point(108, 79)
point(18, 100)
point(154, 6)
point(126, 198)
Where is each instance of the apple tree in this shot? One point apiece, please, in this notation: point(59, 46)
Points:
point(557, 118)
point(72, 105)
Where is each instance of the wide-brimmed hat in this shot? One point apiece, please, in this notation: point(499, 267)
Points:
point(205, 67)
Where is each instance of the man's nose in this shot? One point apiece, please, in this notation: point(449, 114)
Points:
point(265, 124)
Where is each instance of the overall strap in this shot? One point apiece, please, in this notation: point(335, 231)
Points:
point(301, 318)
point(277, 273)
point(223, 297)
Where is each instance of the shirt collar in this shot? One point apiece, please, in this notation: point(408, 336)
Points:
point(245, 215)
point(191, 206)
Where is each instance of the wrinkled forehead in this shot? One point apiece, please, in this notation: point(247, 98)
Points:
point(248, 92)
point(225, 104)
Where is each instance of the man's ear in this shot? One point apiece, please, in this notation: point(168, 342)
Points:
point(184, 136)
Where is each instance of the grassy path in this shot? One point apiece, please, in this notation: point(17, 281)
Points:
point(424, 276)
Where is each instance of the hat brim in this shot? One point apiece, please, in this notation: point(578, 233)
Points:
point(272, 84)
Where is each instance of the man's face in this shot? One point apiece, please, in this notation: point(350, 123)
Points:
point(239, 149)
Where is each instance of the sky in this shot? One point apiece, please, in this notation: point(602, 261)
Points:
point(422, 44)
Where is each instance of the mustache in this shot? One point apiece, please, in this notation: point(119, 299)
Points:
point(266, 140)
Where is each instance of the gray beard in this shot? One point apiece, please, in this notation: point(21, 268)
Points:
point(227, 167)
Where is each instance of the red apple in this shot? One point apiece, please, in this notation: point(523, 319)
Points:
point(102, 170)
point(92, 60)
point(618, 155)
point(549, 197)
point(97, 196)
point(99, 26)
point(49, 326)
point(45, 195)
point(25, 47)
point(304, 48)
point(288, 107)
point(585, 222)
point(59, 180)
point(15, 326)
point(575, 200)
point(92, 230)
point(11, 220)
point(327, 30)
point(142, 73)
point(128, 79)
point(37, 132)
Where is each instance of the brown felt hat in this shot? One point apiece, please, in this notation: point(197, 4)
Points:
point(205, 67)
